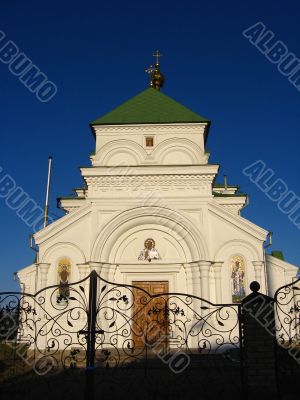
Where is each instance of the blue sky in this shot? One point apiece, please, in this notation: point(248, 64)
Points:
point(96, 53)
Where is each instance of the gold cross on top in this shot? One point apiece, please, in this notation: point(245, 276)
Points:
point(157, 55)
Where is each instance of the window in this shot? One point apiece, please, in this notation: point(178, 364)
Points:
point(149, 141)
point(64, 272)
point(237, 267)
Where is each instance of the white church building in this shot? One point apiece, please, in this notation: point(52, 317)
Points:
point(150, 212)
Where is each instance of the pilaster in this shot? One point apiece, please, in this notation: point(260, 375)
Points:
point(44, 268)
point(189, 277)
point(217, 267)
point(258, 268)
point(195, 279)
point(204, 267)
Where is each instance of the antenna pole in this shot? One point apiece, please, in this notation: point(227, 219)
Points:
point(46, 212)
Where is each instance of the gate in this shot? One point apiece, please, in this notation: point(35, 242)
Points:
point(95, 336)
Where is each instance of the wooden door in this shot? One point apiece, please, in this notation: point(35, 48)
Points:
point(150, 314)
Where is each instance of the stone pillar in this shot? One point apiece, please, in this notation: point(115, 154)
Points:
point(258, 268)
point(113, 269)
point(204, 267)
point(105, 271)
point(217, 267)
point(259, 359)
point(44, 268)
point(193, 288)
point(189, 278)
point(84, 270)
point(195, 279)
point(26, 287)
point(95, 266)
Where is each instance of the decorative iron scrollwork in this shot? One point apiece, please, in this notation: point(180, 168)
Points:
point(126, 328)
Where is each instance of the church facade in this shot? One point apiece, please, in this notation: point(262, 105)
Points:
point(151, 214)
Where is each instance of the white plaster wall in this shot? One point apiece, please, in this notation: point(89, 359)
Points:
point(279, 273)
point(27, 277)
point(174, 144)
point(231, 239)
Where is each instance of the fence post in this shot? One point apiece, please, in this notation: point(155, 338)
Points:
point(91, 337)
point(258, 325)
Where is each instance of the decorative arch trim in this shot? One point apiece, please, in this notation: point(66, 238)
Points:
point(62, 245)
point(233, 244)
point(121, 145)
point(169, 145)
point(149, 215)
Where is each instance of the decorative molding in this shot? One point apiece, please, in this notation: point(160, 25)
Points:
point(233, 208)
point(151, 128)
point(160, 216)
point(258, 269)
point(65, 246)
point(138, 170)
point(132, 152)
point(204, 268)
point(149, 268)
point(44, 268)
point(238, 221)
point(196, 214)
point(70, 209)
point(153, 182)
point(105, 152)
point(217, 268)
point(62, 223)
point(184, 145)
point(236, 246)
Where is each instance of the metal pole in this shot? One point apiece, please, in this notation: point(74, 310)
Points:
point(91, 338)
point(241, 354)
point(270, 237)
point(47, 192)
point(225, 182)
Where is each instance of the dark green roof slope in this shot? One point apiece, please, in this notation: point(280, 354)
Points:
point(278, 254)
point(149, 107)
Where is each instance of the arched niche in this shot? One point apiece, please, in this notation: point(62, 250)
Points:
point(59, 251)
point(236, 248)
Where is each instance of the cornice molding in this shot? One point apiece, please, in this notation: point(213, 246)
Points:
point(57, 226)
point(153, 182)
point(196, 127)
point(128, 170)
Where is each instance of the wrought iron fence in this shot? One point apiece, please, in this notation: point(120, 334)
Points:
point(98, 324)
point(287, 314)
point(287, 337)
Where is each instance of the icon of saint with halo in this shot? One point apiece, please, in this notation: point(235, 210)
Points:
point(150, 252)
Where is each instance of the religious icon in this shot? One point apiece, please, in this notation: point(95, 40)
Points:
point(64, 270)
point(237, 278)
point(149, 253)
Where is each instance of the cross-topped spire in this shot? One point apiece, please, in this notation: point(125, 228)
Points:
point(156, 77)
point(157, 55)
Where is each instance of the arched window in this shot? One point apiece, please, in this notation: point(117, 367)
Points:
point(237, 268)
point(64, 272)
